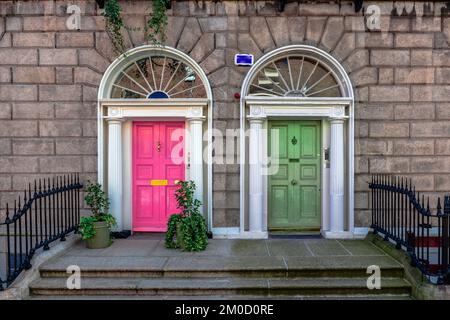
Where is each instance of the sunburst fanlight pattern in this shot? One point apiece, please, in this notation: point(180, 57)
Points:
point(295, 76)
point(158, 77)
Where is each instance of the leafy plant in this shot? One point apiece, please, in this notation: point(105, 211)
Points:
point(114, 24)
point(98, 201)
point(189, 226)
point(157, 23)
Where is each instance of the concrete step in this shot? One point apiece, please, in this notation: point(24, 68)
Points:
point(222, 267)
point(299, 287)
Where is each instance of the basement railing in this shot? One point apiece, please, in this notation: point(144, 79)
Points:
point(49, 211)
point(403, 216)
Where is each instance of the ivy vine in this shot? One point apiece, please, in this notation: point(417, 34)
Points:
point(155, 28)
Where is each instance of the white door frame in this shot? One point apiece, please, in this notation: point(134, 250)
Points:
point(254, 109)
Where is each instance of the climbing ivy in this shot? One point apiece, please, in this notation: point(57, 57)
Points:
point(157, 23)
point(114, 24)
point(155, 28)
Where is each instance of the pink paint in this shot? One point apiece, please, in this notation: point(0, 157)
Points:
point(156, 157)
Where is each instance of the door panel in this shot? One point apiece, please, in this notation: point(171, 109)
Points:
point(156, 156)
point(294, 191)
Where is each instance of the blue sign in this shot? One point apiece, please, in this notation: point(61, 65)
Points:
point(242, 59)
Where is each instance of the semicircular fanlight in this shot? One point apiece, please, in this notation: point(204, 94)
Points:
point(295, 76)
point(158, 77)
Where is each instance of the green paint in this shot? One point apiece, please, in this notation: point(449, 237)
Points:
point(294, 191)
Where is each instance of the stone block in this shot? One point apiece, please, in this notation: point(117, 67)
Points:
point(374, 111)
point(390, 57)
point(5, 74)
point(413, 40)
point(90, 128)
point(18, 164)
point(260, 33)
point(386, 75)
point(411, 111)
point(442, 146)
point(364, 76)
point(60, 93)
point(214, 61)
point(334, 29)
point(437, 93)
point(373, 147)
point(32, 146)
point(33, 39)
point(204, 47)
point(87, 76)
point(13, 24)
point(296, 28)
point(33, 74)
point(190, 35)
point(58, 57)
point(60, 128)
point(443, 75)
point(213, 24)
point(44, 23)
point(76, 146)
point(389, 165)
point(5, 110)
point(248, 45)
point(443, 111)
point(5, 149)
point(389, 93)
point(430, 129)
point(34, 110)
point(357, 59)
point(414, 147)
point(345, 46)
point(173, 33)
point(18, 92)
point(278, 27)
point(15, 56)
point(414, 75)
point(76, 110)
point(64, 75)
point(314, 28)
point(389, 129)
point(374, 40)
point(60, 164)
point(74, 39)
point(421, 58)
point(435, 164)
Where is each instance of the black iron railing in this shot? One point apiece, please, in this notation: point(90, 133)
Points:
point(47, 212)
point(402, 215)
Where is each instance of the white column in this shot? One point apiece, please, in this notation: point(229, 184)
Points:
point(196, 155)
point(337, 177)
point(256, 179)
point(115, 170)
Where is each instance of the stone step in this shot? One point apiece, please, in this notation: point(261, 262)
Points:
point(222, 267)
point(223, 286)
point(224, 297)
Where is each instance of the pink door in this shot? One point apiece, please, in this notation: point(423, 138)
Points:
point(158, 162)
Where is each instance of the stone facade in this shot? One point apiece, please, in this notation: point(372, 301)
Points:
point(49, 77)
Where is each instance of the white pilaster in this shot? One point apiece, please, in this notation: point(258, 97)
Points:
point(256, 181)
point(196, 154)
point(115, 182)
point(337, 179)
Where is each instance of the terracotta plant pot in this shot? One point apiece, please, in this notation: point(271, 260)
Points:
point(101, 239)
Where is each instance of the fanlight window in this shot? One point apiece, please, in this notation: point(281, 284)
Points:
point(158, 77)
point(295, 76)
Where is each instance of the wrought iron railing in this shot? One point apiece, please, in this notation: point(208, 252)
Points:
point(402, 215)
point(47, 212)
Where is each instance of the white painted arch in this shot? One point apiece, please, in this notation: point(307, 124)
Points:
point(115, 110)
point(270, 107)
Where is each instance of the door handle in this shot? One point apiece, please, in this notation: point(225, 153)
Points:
point(293, 182)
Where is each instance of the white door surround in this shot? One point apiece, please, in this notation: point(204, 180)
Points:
point(114, 141)
point(336, 112)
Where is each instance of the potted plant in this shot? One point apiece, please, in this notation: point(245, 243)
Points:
point(187, 229)
point(96, 229)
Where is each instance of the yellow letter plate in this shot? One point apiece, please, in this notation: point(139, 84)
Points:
point(158, 182)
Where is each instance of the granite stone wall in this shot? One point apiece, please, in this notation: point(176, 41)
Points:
point(49, 76)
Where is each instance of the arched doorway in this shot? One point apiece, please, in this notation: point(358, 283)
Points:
point(299, 99)
point(154, 108)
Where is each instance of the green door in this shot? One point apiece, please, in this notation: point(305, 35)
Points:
point(294, 190)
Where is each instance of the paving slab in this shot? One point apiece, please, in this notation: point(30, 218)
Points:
point(288, 248)
point(321, 247)
point(361, 248)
